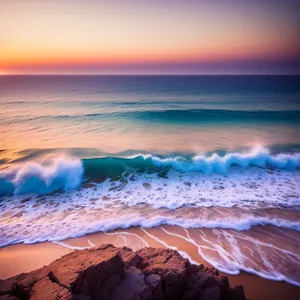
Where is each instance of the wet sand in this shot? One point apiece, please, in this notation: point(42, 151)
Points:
point(20, 258)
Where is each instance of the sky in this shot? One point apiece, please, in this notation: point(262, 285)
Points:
point(149, 37)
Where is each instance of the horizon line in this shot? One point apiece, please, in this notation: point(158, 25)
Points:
point(150, 74)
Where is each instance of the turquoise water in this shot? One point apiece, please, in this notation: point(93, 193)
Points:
point(160, 114)
point(81, 154)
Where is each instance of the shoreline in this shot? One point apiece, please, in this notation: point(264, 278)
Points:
point(19, 258)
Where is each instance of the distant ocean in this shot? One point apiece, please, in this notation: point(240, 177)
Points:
point(82, 154)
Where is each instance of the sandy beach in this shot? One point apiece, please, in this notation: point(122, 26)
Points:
point(20, 258)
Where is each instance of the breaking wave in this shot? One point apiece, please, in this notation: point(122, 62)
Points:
point(32, 177)
point(66, 173)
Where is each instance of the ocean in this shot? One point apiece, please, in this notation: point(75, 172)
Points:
point(83, 154)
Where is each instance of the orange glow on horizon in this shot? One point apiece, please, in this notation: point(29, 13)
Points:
point(9, 60)
point(41, 34)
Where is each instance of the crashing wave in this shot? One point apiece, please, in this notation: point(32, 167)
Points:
point(66, 173)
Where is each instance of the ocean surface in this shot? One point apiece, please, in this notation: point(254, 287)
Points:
point(82, 154)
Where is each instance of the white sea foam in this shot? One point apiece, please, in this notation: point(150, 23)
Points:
point(43, 219)
point(182, 253)
point(259, 157)
point(245, 197)
point(63, 244)
point(63, 173)
point(122, 233)
point(149, 200)
point(231, 251)
point(66, 173)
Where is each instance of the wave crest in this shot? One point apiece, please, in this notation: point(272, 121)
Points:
point(67, 173)
point(258, 157)
point(32, 177)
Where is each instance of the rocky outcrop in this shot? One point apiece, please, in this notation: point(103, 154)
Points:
point(110, 273)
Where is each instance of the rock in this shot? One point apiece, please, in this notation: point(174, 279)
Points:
point(129, 257)
point(143, 294)
point(161, 261)
point(21, 285)
point(132, 287)
point(154, 282)
point(110, 273)
point(83, 272)
point(235, 293)
point(8, 297)
point(46, 289)
point(9, 284)
point(173, 284)
point(169, 265)
point(211, 293)
point(195, 285)
point(91, 273)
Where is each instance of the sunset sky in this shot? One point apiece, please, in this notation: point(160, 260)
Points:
point(149, 37)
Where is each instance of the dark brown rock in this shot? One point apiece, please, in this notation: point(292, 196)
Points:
point(89, 272)
point(161, 261)
point(89, 269)
point(8, 285)
point(132, 287)
point(129, 257)
point(46, 289)
point(21, 285)
point(235, 293)
point(173, 285)
point(154, 282)
point(170, 266)
point(110, 273)
point(211, 293)
point(8, 297)
point(195, 285)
